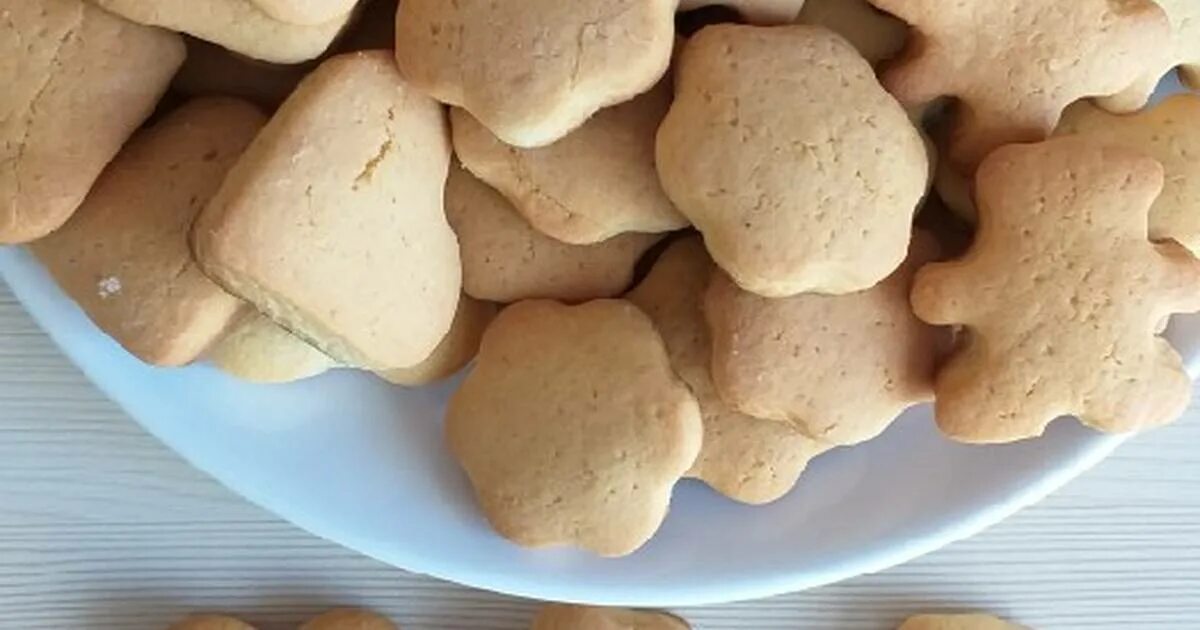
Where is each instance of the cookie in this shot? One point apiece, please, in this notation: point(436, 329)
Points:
point(1169, 133)
point(1181, 49)
point(77, 82)
point(455, 351)
point(532, 71)
point(214, 71)
point(763, 12)
point(597, 182)
point(1015, 65)
point(306, 12)
point(209, 622)
point(349, 619)
point(571, 617)
point(239, 25)
point(839, 368)
point(876, 35)
point(958, 622)
point(1060, 296)
point(124, 257)
point(260, 351)
point(572, 427)
point(792, 194)
point(331, 223)
point(745, 458)
point(505, 260)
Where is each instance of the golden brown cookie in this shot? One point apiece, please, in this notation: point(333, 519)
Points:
point(239, 25)
point(77, 81)
point(1060, 295)
point(745, 458)
point(792, 195)
point(349, 619)
point(260, 351)
point(214, 71)
point(124, 256)
point(838, 368)
point(505, 260)
point(1169, 133)
point(595, 183)
point(1182, 49)
point(308, 12)
point(764, 12)
point(455, 351)
point(332, 223)
point(532, 71)
point(1015, 65)
point(571, 617)
point(876, 35)
point(210, 622)
point(572, 427)
point(958, 622)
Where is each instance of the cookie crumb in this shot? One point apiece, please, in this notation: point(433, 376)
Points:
point(108, 287)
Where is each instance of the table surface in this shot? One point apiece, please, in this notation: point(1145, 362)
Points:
point(103, 527)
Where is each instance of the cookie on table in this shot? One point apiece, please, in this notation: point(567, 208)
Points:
point(748, 459)
point(572, 426)
point(1181, 49)
point(239, 25)
point(958, 622)
point(260, 351)
point(214, 71)
point(1015, 65)
point(1061, 295)
point(572, 617)
point(838, 368)
point(593, 184)
point(763, 12)
point(349, 619)
point(505, 260)
point(210, 622)
point(1170, 133)
point(332, 224)
point(876, 35)
point(77, 82)
point(306, 12)
point(792, 195)
point(124, 256)
point(532, 71)
point(455, 351)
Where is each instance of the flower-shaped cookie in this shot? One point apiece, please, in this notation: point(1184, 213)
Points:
point(1181, 49)
point(839, 368)
point(785, 152)
point(572, 427)
point(504, 259)
point(1169, 133)
point(533, 70)
point(595, 183)
point(568, 617)
point(1016, 64)
point(748, 459)
point(1060, 295)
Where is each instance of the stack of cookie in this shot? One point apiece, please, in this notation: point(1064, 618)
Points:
point(675, 257)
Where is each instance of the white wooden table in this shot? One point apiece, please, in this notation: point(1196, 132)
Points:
point(102, 527)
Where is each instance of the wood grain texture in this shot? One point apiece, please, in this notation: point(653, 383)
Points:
point(102, 527)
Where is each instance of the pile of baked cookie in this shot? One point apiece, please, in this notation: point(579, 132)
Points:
point(494, 182)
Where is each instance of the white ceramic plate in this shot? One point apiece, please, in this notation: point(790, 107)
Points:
point(359, 462)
